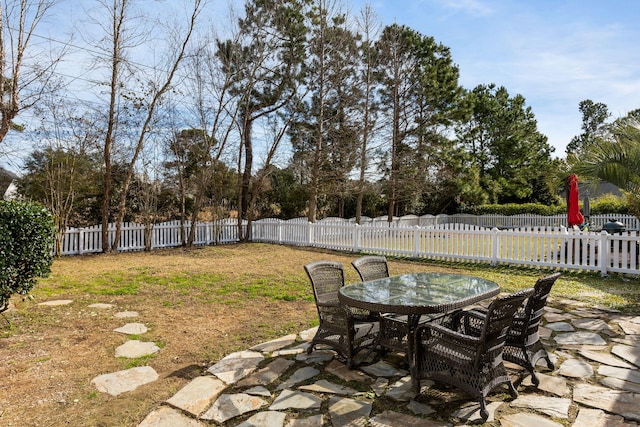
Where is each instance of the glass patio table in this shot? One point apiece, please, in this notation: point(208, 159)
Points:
point(417, 294)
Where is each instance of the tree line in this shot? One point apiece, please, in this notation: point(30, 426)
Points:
point(290, 108)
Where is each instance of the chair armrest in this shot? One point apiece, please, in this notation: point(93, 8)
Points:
point(430, 328)
point(329, 304)
point(336, 308)
point(477, 315)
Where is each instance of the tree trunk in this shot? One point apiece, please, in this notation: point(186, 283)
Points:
point(246, 174)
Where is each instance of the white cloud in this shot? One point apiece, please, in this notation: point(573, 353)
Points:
point(472, 7)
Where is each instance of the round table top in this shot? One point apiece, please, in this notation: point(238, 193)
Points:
point(418, 293)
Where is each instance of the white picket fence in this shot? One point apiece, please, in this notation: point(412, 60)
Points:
point(489, 221)
point(79, 241)
point(535, 247)
point(531, 246)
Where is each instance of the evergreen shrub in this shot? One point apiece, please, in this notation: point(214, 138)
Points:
point(26, 247)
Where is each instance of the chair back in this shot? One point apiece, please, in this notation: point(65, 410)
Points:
point(327, 277)
point(534, 308)
point(497, 322)
point(371, 267)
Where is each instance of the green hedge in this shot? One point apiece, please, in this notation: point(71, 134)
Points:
point(608, 204)
point(516, 209)
point(26, 247)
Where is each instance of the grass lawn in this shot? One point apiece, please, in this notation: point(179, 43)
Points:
point(199, 305)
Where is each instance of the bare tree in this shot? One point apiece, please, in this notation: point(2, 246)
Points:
point(142, 101)
point(213, 111)
point(26, 71)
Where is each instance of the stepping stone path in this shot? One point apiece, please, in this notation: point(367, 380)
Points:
point(127, 380)
point(596, 383)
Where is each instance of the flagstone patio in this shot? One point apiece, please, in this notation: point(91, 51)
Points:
point(596, 382)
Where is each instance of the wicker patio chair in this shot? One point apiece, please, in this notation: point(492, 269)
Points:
point(393, 328)
point(447, 352)
point(338, 327)
point(371, 267)
point(523, 346)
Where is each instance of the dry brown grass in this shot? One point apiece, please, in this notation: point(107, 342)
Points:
point(198, 304)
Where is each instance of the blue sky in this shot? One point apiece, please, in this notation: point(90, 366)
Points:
point(554, 53)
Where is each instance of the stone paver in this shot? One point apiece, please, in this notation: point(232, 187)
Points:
point(554, 385)
point(471, 413)
point(265, 419)
point(393, 419)
point(618, 402)
point(592, 325)
point(122, 381)
point(380, 386)
point(258, 391)
point(597, 418)
point(132, 329)
point(341, 371)
point(236, 366)
point(553, 406)
point(324, 386)
point(322, 356)
point(276, 344)
point(420, 408)
point(126, 314)
point(197, 396)
point(344, 411)
point(383, 369)
point(289, 399)
point(560, 327)
point(56, 303)
point(631, 375)
point(308, 334)
point(169, 417)
point(605, 358)
point(101, 306)
point(135, 348)
point(618, 384)
point(268, 374)
point(401, 390)
point(630, 327)
point(312, 421)
point(576, 369)
point(229, 406)
point(527, 420)
point(580, 338)
point(628, 353)
point(299, 376)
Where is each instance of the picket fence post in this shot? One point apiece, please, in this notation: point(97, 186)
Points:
point(495, 245)
point(310, 233)
point(80, 240)
point(416, 241)
point(604, 252)
point(356, 238)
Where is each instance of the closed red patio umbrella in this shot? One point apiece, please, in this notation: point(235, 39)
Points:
point(574, 216)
